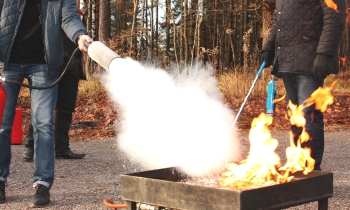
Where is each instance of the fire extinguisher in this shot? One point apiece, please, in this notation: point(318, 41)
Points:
point(2, 102)
point(271, 94)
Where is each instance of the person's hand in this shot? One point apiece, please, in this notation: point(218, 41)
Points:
point(81, 40)
point(268, 57)
point(322, 67)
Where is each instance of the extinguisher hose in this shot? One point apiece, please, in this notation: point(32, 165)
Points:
point(49, 86)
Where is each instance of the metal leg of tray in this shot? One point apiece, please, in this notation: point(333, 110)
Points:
point(323, 204)
point(131, 205)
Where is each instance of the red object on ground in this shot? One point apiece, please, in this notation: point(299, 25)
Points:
point(16, 135)
point(2, 101)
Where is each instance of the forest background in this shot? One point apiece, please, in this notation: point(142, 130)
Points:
point(182, 34)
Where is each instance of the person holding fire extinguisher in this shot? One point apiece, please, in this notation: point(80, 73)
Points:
point(302, 48)
point(65, 105)
point(31, 47)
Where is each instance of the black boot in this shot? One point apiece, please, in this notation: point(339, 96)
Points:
point(2, 192)
point(69, 155)
point(41, 197)
point(28, 154)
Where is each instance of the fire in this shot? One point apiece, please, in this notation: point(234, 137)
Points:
point(262, 167)
point(331, 4)
point(343, 59)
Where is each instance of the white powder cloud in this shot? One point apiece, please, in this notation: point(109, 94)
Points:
point(172, 120)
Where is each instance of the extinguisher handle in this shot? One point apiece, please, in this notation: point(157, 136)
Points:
point(87, 44)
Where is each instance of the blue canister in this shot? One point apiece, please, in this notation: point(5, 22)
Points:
point(271, 94)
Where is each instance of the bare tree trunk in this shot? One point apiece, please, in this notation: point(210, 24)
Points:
point(97, 17)
point(88, 61)
point(89, 17)
point(344, 45)
point(174, 41)
point(133, 28)
point(145, 46)
point(199, 31)
point(152, 31)
point(185, 31)
point(144, 25)
point(193, 17)
point(118, 18)
point(104, 21)
point(215, 36)
point(167, 33)
point(156, 32)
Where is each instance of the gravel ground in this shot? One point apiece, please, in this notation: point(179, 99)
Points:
point(84, 184)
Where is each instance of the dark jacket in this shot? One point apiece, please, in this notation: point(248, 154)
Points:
point(78, 58)
point(301, 29)
point(55, 14)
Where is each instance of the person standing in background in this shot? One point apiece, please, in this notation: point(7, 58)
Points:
point(65, 105)
point(303, 48)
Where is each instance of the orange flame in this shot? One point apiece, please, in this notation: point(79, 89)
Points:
point(279, 99)
point(331, 4)
point(322, 97)
point(262, 167)
point(343, 59)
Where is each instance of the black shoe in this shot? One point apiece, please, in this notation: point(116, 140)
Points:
point(41, 197)
point(2, 192)
point(69, 155)
point(28, 154)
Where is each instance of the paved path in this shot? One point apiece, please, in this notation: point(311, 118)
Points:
point(83, 184)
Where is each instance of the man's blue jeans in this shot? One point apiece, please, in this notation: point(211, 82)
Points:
point(298, 88)
point(42, 106)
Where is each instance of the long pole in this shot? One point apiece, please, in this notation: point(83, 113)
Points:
point(250, 91)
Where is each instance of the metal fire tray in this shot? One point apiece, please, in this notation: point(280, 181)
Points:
point(164, 188)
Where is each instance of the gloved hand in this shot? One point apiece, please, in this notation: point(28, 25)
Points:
point(267, 56)
point(323, 65)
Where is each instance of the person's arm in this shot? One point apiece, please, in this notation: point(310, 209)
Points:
point(73, 26)
point(333, 25)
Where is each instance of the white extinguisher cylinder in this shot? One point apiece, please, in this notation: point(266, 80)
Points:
point(101, 54)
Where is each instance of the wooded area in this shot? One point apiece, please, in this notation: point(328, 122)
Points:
point(228, 33)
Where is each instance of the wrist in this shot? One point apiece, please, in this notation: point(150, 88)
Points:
point(79, 36)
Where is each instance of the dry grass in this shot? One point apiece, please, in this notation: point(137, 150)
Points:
point(90, 88)
point(87, 89)
point(236, 84)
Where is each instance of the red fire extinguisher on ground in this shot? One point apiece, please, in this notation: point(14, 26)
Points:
point(16, 135)
point(2, 102)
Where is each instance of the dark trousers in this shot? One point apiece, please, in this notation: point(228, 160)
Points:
point(299, 88)
point(65, 106)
